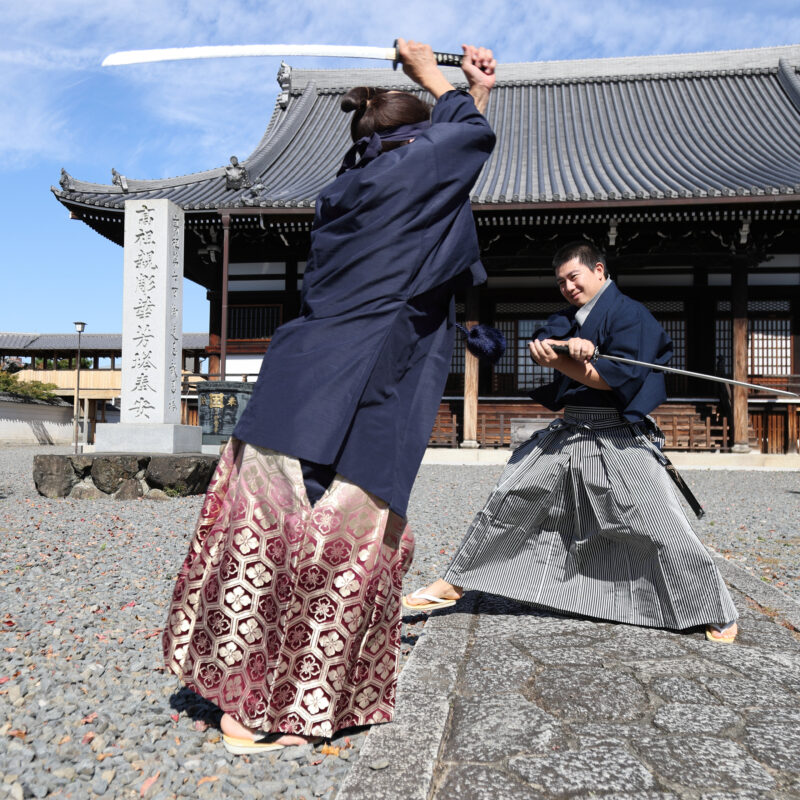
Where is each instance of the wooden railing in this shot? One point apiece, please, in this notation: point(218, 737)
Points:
point(110, 379)
point(687, 426)
point(692, 426)
point(786, 383)
point(775, 427)
point(445, 428)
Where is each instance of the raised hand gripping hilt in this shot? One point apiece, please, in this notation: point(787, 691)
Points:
point(442, 59)
point(562, 348)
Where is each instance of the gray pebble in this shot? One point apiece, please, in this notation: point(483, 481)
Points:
point(102, 554)
point(85, 767)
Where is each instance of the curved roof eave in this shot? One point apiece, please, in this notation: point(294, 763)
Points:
point(605, 143)
point(278, 132)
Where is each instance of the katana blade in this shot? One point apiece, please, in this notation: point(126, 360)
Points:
point(562, 348)
point(125, 57)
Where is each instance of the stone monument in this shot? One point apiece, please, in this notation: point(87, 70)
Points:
point(152, 336)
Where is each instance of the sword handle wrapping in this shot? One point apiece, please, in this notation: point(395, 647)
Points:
point(562, 348)
point(442, 59)
point(448, 59)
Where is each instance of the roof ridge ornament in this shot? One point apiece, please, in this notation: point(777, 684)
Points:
point(119, 180)
point(66, 181)
point(284, 78)
point(254, 196)
point(236, 176)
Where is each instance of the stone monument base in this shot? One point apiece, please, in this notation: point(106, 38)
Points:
point(123, 476)
point(522, 428)
point(128, 437)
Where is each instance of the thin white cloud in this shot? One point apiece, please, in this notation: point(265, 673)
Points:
point(151, 121)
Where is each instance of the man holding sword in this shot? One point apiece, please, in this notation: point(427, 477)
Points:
point(584, 518)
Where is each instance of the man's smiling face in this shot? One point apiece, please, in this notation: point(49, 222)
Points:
point(578, 283)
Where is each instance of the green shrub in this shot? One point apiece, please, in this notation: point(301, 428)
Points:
point(36, 389)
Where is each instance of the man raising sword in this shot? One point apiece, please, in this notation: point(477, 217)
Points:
point(286, 613)
point(584, 518)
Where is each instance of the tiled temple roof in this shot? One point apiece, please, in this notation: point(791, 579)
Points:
point(633, 129)
point(20, 343)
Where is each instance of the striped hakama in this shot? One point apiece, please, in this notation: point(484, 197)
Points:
point(585, 519)
point(284, 615)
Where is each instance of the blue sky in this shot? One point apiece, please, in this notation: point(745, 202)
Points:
point(58, 107)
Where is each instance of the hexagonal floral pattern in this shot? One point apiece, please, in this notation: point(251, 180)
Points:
point(288, 617)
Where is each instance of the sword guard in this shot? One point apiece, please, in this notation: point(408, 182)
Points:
point(596, 354)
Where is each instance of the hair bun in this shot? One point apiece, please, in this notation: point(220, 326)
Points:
point(355, 99)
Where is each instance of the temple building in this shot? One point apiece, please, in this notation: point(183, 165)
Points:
point(683, 169)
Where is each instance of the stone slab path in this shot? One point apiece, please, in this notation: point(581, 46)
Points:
point(501, 701)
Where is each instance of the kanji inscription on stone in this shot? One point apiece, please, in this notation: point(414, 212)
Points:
point(152, 324)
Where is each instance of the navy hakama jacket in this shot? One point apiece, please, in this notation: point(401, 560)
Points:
point(619, 326)
point(355, 381)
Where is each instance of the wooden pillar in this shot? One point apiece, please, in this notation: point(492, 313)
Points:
point(85, 403)
point(471, 375)
point(113, 362)
point(214, 309)
point(741, 443)
point(292, 291)
point(700, 310)
point(91, 420)
point(223, 342)
point(793, 410)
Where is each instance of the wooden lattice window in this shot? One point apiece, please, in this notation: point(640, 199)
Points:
point(671, 316)
point(723, 348)
point(459, 348)
point(457, 359)
point(253, 321)
point(769, 350)
point(455, 378)
point(769, 338)
point(516, 372)
point(676, 330)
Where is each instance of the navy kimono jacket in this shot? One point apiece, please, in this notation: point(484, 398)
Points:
point(355, 381)
point(620, 327)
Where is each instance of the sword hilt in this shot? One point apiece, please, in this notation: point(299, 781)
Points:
point(442, 59)
point(562, 348)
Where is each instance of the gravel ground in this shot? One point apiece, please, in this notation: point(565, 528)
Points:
point(86, 708)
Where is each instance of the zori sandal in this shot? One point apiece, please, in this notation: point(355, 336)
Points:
point(722, 634)
point(263, 744)
point(433, 602)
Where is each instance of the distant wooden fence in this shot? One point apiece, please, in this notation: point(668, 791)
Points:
point(687, 426)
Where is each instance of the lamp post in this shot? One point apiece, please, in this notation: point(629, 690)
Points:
point(79, 326)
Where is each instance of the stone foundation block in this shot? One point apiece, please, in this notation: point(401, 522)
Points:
point(123, 476)
point(53, 475)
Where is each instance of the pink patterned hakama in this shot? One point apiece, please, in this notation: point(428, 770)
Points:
point(285, 616)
